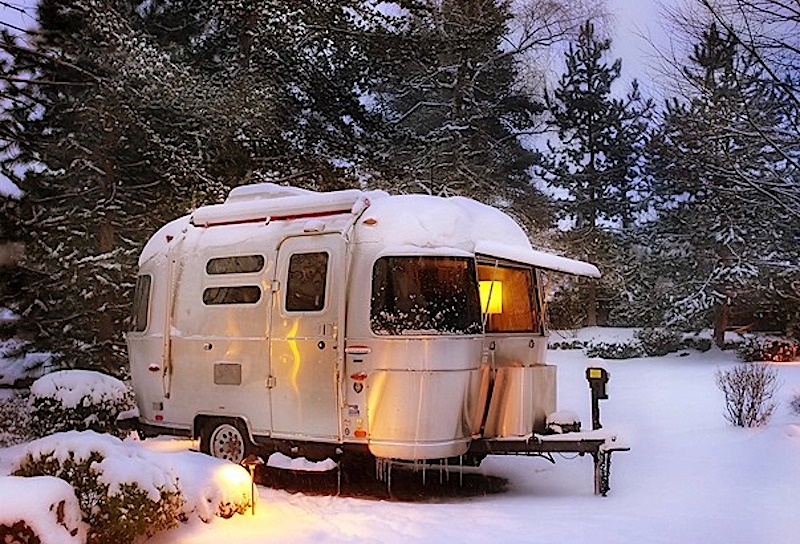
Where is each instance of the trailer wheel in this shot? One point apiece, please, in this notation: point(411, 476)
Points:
point(225, 439)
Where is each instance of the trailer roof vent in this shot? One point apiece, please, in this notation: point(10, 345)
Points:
point(264, 191)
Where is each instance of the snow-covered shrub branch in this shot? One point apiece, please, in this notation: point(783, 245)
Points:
point(78, 399)
point(126, 492)
point(122, 494)
point(749, 389)
point(44, 510)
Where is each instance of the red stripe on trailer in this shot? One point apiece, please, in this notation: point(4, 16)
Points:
point(233, 222)
point(309, 215)
point(292, 217)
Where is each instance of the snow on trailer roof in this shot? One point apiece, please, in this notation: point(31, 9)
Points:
point(433, 222)
point(404, 220)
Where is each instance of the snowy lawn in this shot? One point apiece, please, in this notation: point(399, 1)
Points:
point(689, 478)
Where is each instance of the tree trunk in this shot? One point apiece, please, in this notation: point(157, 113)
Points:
point(721, 313)
point(591, 304)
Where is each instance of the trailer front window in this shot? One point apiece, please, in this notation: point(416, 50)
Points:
point(425, 295)
point(508, 298)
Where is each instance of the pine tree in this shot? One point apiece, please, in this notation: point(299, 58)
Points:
point(597, 157)
point(456, 108)
point(138, 122)
point(719, 216)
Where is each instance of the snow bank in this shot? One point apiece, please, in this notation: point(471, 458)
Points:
point(279, 460)
point(47, 505)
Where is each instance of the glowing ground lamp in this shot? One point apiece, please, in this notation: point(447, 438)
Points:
point(491, 297)
point(251, 462)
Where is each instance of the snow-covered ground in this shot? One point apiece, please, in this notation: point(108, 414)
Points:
point(689, 478)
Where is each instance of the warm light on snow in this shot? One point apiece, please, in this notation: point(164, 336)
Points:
point(232, 477)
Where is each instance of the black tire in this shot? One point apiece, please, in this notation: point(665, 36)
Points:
point(225, 439)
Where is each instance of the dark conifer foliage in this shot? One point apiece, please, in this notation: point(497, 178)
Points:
point(725, 198)
point(596, 160)
point(139, 115)
point(455, 109)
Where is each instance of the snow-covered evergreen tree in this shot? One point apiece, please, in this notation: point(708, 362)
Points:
point(145, 111)
point(727, 229)
point(596, 159)
point(456, 109)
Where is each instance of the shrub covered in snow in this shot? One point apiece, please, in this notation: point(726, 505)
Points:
point(762, 348)
point(41, 509)
point(15, 421)
point(123, 492)
point(211, 487)
point(658, 342)
point(126, 491)
point(613, 350)
point(574, 344)
point(78, 399)
point(749, 389)
point(794, 403)
point(697, 343)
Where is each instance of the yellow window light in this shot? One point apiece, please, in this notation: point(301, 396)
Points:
point(491, 297)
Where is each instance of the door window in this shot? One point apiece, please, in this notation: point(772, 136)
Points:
point(306, 282)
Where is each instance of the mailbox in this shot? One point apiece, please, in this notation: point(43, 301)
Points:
point(598, 378)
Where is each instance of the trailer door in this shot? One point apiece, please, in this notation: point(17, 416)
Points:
point(307, 311)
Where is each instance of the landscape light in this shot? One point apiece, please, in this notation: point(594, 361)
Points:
point(251, 462)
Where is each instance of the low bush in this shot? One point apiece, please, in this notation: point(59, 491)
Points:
point(78, 400)
point(126, 492)
point(762, 348)
point(613, 350)
point(566, 344)
point(697, 344)
point(39, 510)
point(123, 493)
point(749, 389)
point(794, 403)
point(658, 342)
point(15, 421)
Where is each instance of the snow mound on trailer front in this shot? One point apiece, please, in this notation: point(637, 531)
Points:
point(459, 223)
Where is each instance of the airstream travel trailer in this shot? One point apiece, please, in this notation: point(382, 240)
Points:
point(317, 323)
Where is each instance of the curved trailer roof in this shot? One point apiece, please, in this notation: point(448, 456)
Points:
point(405, 220)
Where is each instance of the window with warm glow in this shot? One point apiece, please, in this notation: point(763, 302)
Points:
point(508, 298)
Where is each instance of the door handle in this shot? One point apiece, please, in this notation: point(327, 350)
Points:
point(321, 344)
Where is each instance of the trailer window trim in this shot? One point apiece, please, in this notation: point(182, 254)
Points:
point(293, 302)
point(235, 264)
point(141, 302)
point(232, 295)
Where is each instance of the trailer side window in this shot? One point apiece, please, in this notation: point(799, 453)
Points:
point(508, 298)
point(141, 303)
point(247, 294)
point(425, 295)
point(305, 286)
point(241, 264)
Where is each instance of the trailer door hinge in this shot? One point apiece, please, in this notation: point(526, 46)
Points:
point(271, 382)
point(275, 286)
